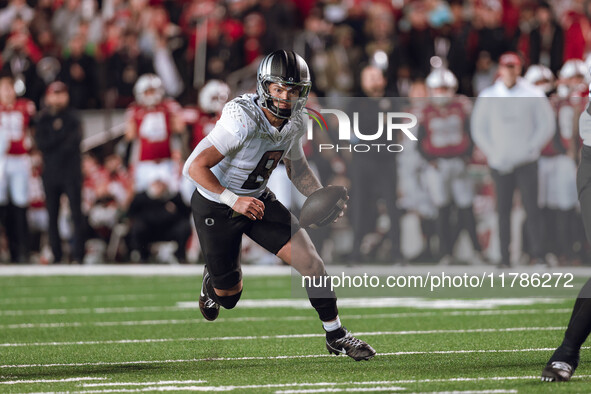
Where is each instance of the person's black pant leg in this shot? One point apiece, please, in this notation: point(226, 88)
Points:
point(53, 192)
point(74, 193)
point(527, 182)
point(504, 186)
point(220, 236)
point(139, 237)
point(180, 232)
point(19, 248)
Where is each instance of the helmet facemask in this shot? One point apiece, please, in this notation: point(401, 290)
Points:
point(294, 105)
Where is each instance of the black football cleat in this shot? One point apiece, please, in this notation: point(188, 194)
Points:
point(557, 371)
point(208, 307)
point(349, 345)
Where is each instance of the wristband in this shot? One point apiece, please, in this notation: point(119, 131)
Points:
point(228, 198)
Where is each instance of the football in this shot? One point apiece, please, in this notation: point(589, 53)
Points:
point(323, 206)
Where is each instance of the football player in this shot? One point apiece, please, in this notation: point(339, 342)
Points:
point(542, 77)
point(201, 119)
point(15, 172)
point(414, 193)
point(151, 121)
point(230, 168)
point(565, 359)
point(444, 141)
point(212, 98)
point(557, 195)
point(572, 79)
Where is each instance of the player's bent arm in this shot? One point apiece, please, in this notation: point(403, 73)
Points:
point(130, 130)
point(177, 124)
point(301, 175)
point(199, 170)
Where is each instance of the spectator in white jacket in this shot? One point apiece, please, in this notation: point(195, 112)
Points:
point(512, 121)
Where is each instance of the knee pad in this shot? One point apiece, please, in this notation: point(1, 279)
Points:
point(229, 302)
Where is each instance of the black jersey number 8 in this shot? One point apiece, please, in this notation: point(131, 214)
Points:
point(263, 170)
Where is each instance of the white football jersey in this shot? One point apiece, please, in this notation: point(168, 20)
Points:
point(251, 146)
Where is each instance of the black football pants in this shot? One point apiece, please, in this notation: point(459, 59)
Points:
point(525, 178)
point(53, 194)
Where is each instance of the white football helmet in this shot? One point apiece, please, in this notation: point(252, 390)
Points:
point(149, 90)
point(213, 95)
point(573, 68)
point(441, 85)
point(442, 78)
point(541, 76)
point(289, 70)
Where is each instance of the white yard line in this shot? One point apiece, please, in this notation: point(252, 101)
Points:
point(497, 391)
point(284, 318)
point(31, 381)
point(248, 358)
point(85, 311)
point(163, 382)
point(97, 298)
point(331, 385)
point(259, 337)
point(391, 302)
point(139, 322)
point(298, 303)
point(345, 390)
point(159, 309)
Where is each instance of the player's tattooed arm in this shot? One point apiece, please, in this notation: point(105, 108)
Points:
point(301, 176)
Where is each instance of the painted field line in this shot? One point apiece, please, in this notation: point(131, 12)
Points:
point(285, 336)
point(232, 388)
point(249, 358)
point(163, 382)
point(346, 390)
point(32, 381)
point(84, 299)
point(394, 388)
point(86, 311)
point(390, 302)
point(257, 386)
point(284, 318)
point(497, 391)
point(131, 309)
point(142, 322)
point(330, 384)
point(302, 303)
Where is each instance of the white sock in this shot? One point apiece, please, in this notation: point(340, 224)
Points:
point(332, 325)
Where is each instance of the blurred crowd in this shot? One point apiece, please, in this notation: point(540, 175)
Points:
point(197, 54)
point(99, 48)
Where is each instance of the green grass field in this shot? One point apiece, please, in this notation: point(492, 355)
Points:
point(103, 334)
